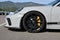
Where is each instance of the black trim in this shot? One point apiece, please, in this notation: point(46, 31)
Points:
point(52, 23)
point(9, 21)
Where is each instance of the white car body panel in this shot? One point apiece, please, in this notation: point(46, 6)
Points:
point(15, 19)
point(55, 14)
point(41, 9)
point(52, 14)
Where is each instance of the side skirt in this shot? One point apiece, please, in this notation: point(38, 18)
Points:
point(53, 25)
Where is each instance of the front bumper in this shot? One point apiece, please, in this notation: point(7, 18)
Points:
point(13, 21)
point(7, 26)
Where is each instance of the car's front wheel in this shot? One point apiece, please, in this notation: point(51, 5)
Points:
point(34, 22)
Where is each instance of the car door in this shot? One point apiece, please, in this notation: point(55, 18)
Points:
point(56, 13)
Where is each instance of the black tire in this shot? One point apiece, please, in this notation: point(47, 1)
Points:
point(31, 26)
point(21, 25)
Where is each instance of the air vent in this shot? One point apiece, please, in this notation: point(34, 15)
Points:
point(9, 21)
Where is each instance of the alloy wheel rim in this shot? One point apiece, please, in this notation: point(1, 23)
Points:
point(33, 22)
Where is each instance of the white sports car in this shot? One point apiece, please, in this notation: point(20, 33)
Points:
point(36, 18)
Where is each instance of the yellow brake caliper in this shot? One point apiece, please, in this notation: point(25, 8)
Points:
point(38, 21)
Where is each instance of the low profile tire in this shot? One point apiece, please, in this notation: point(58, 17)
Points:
point(34, 22)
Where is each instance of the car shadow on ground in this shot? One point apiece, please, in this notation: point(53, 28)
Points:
point(53, 30)
point(19, 30)
point(16, 30)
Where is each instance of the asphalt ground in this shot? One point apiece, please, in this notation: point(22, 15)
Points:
point(2, 19)
point(7, 34)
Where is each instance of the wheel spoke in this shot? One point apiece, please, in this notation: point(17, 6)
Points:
point(34, 22)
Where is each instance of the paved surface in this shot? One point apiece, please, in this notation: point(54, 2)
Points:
point(2, 19)
point(6, 34)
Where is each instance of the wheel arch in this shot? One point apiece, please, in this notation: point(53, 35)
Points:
point(29, 12)
point(35, 11)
